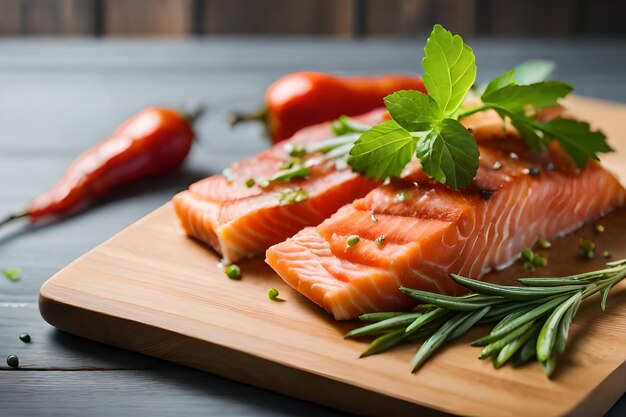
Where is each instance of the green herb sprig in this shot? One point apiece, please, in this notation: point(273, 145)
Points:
point(427, 126)
point(529, 321)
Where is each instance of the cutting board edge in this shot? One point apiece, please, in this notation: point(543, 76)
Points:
point(168, 345)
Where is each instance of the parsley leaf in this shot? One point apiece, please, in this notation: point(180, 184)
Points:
point(449, 154)
point(528, 72)
point(427, 125)
point(524, 127)
point(533, 71)
point(577, 139)
point(420, 122)
point(515, 97)
point(382, 151)
point(449, 69)
point(413, 109)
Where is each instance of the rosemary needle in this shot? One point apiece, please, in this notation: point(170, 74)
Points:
point(531, 321)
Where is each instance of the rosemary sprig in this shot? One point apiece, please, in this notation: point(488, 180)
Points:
point(529, 321)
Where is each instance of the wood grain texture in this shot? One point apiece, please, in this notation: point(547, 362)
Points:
point(529, 18)
point(152, 290)
point(10, 15)
point(171, 18)
point(48, 17)
point(410, 17)
point(303, 17)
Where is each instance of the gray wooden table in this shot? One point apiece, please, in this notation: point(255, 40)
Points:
point(59, 97)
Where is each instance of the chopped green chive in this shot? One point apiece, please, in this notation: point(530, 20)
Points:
point(586, 249)
point(380, 240)
point(25, 337)
point(539, 261)
point(13, 273)
point(400, 197)
point(532, 260)
point(13, 361)
point(292, 196)
point(607, 254)
point(250, 183)
point(232, 271)
point(272, 294)
point(543, 244)
point(353, 240)
point(295, 150)
point(291, 162)
point(598, 228)
point(528, 255)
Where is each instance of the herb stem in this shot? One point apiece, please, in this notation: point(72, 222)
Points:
point(473, 111)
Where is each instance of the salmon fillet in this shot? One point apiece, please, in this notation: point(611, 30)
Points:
point(240, 221)
point(431, 230)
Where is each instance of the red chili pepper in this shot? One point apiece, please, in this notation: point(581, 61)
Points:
point(306, 98)
point(155, 141)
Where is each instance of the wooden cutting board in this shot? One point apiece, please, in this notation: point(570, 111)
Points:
point(152, 290)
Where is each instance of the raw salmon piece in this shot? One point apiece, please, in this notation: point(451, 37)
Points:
point(431, 230)
point(240, 221)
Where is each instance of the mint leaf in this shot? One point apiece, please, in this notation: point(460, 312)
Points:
point(449, 69)
point(577, 139)
point(449, 154)
point(413, 109)
point(515, 97)
point(383, 151)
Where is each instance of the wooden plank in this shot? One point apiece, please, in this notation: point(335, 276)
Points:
point(601, 17)
point(10, 17)
point(528, 18)
point(170, 18)
point(304, 17)
point(152, 290)
point(168, 391)
point(55, 17)
point(410, 17)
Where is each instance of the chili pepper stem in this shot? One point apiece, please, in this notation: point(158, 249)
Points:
point(194, 115)
point(13, 217)
point(260, 115)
